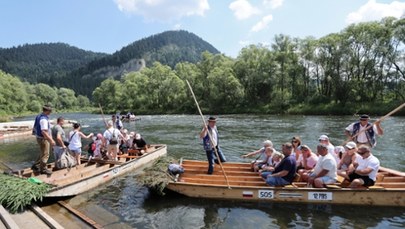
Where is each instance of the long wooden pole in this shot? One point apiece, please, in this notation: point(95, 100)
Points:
point(378, 120)
point(102, 114)
point(209, 134)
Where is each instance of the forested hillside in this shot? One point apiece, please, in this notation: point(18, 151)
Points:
point(61, 65)
point(360, 69)
point(44, 63)
point(168, 48)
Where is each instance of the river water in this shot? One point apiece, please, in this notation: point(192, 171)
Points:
point(123, 203)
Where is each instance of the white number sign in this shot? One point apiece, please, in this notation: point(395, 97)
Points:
point(320, 196)
point(266, 194)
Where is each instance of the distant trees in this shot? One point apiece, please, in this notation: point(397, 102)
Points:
point(17, 97)
point(340, 73)
point(363, 64)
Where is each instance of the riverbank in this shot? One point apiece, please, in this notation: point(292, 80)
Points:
point(354, 109)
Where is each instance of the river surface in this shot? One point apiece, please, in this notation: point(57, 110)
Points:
point(123, 203)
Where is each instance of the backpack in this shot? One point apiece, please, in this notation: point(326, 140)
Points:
point(114, 139)
point(175, 169)
point(65, 161)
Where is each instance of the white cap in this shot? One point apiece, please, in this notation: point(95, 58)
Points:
point(110, 123)
point(137, 136)
point(323, 137)
point(350, 145)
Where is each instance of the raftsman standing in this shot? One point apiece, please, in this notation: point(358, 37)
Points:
point(208, 147)
point(367, 137)
point(42, 131)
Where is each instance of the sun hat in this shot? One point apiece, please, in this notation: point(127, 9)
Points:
point(99, 136)
point(364, 117)
point(323, 137)
point(212, 119)
point(303, 147)
point(350, 145)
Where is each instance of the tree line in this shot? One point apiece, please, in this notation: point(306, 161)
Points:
point(17, 97)
point(358, 69)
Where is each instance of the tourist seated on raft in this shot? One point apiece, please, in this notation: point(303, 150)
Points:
point(348, 160)
point(268, 161)
point(296, 143)
point(124, 141)
point(138, 142)
point(260, 154)
point(284, 172)
point(324, 139)
point(325, 169)
point(365, 174)
point(307, 161)
point(273, 160)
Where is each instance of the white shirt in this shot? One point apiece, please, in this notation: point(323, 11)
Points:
point(331, 151)
point(75, 142)
point(362, 138)
point(44, 124)
point(109, 132)
point(326, 162)
point(370, 162)
point(214, 135)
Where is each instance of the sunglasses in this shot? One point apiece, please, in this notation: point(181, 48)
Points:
point(361, 152)
point(294, 141)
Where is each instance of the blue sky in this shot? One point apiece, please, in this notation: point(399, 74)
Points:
point(108, 25)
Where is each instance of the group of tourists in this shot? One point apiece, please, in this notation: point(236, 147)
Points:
point(353, 161)
point(115, 140)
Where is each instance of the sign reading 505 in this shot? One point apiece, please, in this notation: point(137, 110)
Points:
point(266, 194)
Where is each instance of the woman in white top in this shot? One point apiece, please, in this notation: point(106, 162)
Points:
point(75, 141)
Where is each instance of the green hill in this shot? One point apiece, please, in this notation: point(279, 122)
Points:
point(44, 63)
point(61, 65)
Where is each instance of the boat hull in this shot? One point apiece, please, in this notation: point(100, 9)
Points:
point(309, 195)
point(79, 179)
point(245, 185)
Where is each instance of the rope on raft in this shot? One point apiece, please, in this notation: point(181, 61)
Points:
point(156, 176)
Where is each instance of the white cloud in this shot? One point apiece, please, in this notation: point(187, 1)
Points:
point(177, 26)
point(244, 43)
point(375, 11)
point(163, 10)
point(262, 24)
point(273, 4)
point(242, 9)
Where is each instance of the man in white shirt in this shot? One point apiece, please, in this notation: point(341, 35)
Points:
point(111, 139)
point(324, 140)
point(325, 171)
point(365, 131)
point(365, 173)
